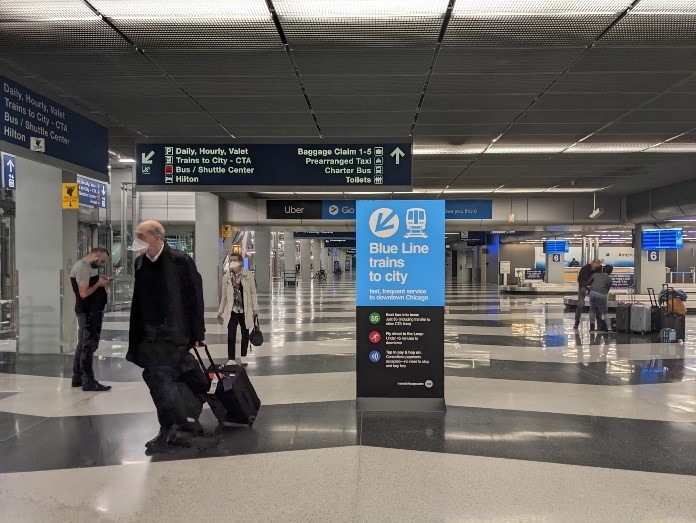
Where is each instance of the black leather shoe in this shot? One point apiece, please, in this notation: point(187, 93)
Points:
point(96, 387)
point(76, 382)
point(159, 442)
point(592, 326)
point(575, 327)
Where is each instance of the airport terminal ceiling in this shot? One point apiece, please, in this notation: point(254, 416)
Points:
point(499, 97)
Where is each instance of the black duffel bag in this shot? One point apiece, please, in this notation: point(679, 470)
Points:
point(256, 336)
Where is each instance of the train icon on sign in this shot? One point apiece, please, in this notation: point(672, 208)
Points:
point(415, 223)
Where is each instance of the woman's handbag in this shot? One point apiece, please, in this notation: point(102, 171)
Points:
point(256, 336)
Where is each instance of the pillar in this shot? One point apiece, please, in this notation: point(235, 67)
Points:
point(262, 260)
point(39, 256)
point(207, 246)
point(70, 255)
point(555, 269)
point(316, 255)
point(325, 258)
point(305, 259)
point(289, 252)
point(647, 273)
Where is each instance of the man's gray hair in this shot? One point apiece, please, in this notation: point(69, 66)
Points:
point(156, 229)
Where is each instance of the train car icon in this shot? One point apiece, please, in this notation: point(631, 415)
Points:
point(415, 223)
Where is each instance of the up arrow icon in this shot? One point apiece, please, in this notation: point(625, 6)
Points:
point(147, 158)
point(397, 154)
point(10, 164)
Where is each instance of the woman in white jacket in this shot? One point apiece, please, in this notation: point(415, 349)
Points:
point(238, 306)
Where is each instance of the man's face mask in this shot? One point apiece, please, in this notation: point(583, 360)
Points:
point(139, 246)
point(97, 264)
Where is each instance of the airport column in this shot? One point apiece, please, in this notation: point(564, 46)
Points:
point(289, 251)
point(39, 256)
point(69, 254)
point(306, 259)
point(649, 264)
point(316, 255)
point(207, 246)
point(262, 257)
point(555, 268)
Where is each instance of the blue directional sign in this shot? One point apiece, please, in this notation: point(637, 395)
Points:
point(40, 124)
point(381, 164)
point(338, 210)
point(92, 192)
point(9, 171)
point(469, 209)
point(400, 255)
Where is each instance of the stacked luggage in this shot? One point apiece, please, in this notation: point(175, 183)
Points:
point(670, 318)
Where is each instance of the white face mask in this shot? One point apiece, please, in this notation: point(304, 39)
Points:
point(234, 265)
point(139, 246)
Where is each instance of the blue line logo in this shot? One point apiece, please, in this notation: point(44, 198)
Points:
point(384, 222)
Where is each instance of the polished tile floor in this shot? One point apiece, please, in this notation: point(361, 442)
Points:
point(543, 422)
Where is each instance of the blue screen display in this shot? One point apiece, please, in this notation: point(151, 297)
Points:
point(556, 246)
point(662, 239)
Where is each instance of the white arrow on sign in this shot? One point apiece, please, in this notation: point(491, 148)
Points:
point(397, 154)
point(10, 164)
point(147, 158)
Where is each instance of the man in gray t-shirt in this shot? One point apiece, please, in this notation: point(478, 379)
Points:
point(599, 285)
point(90, 300)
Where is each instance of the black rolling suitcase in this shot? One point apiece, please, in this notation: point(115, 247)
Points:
point(231, 395)
point(623, 316)
point(655, 312)
point(670, 320)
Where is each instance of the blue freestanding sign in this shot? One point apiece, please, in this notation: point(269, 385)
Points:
point(400, 304)
point(92, 192)
point(9, 171)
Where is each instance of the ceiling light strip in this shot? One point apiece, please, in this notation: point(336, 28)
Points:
point(293, 63)
point(581, 56)
point(154, 64)
point(433, 62)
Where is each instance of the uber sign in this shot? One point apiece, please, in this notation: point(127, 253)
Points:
point(293, 209)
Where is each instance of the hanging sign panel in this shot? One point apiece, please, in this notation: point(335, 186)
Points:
point(42, 125)
point(361, 166)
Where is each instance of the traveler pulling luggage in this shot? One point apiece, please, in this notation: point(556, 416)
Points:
point(231, 395)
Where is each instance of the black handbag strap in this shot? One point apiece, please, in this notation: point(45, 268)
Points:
point(212, 363)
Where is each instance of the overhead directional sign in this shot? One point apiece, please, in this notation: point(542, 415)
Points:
point(9, 171)
point(42, 125)
point(364, 166)
point(92, 192)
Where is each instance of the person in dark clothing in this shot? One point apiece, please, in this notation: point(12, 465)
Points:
point(167, 319)
point(583, 277)
point(574, 263)
point(90, 300)
point(599, 285)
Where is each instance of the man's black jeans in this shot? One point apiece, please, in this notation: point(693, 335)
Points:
point(89, 332)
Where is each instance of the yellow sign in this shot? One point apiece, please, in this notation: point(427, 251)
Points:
point(227, 231)
point(236, 249)
point(71, 196)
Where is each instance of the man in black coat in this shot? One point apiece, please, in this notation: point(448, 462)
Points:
point(167, 318)
point(584, 275)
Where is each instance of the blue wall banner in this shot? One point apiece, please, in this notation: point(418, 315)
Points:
point(381, 164)
point(92, 192)
point(400, 304)
point(9, 171)
point(69, 136)
point(469, 210)
point(338, 210)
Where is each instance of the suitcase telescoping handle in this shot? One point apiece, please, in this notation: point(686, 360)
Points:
point(212, 363)
point(653, 298)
